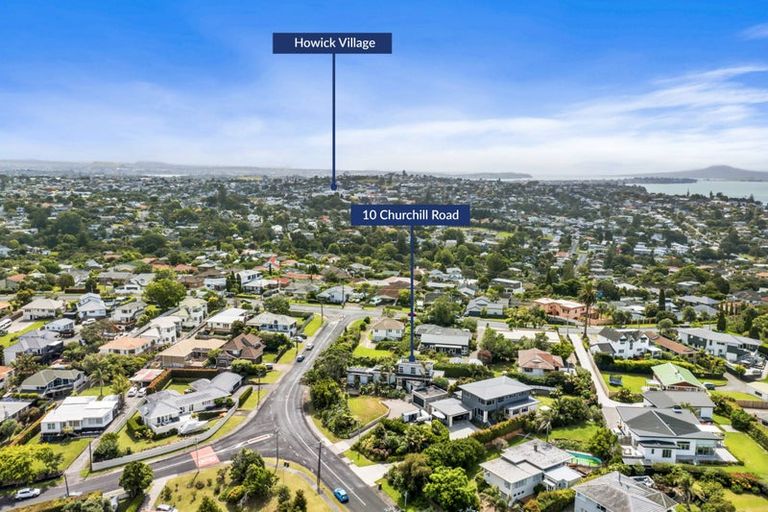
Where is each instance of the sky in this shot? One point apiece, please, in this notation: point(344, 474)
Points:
point(568, 88)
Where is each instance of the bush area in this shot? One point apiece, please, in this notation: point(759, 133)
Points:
point(606, 362)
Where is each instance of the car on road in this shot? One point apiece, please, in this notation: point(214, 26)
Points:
point(341, 495)
point(309, 346)
point(709, 385)
point(166, 508)
point(300, 358)
point(26, 493)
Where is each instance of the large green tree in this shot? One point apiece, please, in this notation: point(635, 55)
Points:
point(136, 478)
point(165, 293)
point(450, 489)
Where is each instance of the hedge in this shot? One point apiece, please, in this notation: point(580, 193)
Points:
point(193, 373)
point(745, 481)
point(500, 429)
point(458, 370)
point(56, 505)
point(159, 382)
point(552, 501)
point(28, 433)
point(244, 396)
point(606, 362)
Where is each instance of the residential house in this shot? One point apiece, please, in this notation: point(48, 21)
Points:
point(732, 347)
point(650, 435)
point(188, 352)
point(498, 396)
point(614, 492)
point(222, 322)
point(521, 469)
point(40, 309)
point(127, 346)
point(243, 346)
point(445, 339)
point(12, 409)
point(91, 306)
point(534, 361)
point(53, 382)
point(560, 308)
point(485, 307)
point(509, 286)
point(6, 377)
point(170, 410)
point(335, 294)
point(64, 327)
point(449, 410)
point(670, 346)
point(126, 315)
point(697, 401)
point(387, 329)
point(41, 343)
point(192, 312)
point(163, 330)
point(271, 322)
point(671, 377)
point(621, 343)
point(423, 396)
point(79, 414)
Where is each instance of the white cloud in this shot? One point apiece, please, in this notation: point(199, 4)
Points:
point(756, 32)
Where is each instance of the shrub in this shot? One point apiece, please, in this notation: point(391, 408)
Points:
point(500, 429)
point(244, 395)
point(159, 382)
point(235, 494)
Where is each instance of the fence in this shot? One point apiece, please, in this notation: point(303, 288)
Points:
point(752, 404)
point(162, 450)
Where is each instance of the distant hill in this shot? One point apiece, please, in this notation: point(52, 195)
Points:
point(714, 172)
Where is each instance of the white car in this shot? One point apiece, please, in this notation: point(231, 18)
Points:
point(310, 346)
point(90, 321)
point(132, 392)
point(165, 508)
point(143, 392)
point(26, 493)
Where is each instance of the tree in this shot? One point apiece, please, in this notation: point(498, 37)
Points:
point(258, 481)
point(209, 505)
point(51, 460)
point(443, 312)
point(463, 453)
point(722, 323)
point(164, 293)
point(689, 314)
point(500, 348)
point(278, 304)
point(300, 501)
point(588, 296)
point(662, 299)
point(411, 475)
point(108, 447)
point(241, 462)
point(24, 365)
point(449, 488)
point(544, 419)
point(604, 445)
point(8, 428)
point(136, 478)
point(666, 327)
point(324, 394)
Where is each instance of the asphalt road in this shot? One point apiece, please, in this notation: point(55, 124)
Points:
point(278, 426)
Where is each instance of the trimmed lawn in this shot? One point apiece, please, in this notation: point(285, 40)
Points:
point(361, 351)
point(721, 420)
point(7, 340)
point(177, 386)
point(367, 408)
point(94, 390)
point(414, 505)
point(124, 440)
point(269, 357)
point(580, 432)
point(716, 382)
point(747, 502)
point(358, 458)
point(736, 395)
point(754, 457)
point(185, 496)
point(228, 427)
point(69, 449)
point(290, 355)
point(313, 326)
point(271, 377)
point(633, 381)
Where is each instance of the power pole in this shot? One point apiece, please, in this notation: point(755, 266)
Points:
point(277, 448)
point(319, 462)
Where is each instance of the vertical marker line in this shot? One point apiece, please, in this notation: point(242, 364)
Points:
point(333, 121)
point(412, 357)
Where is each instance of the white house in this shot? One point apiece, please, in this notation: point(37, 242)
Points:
point(271, 322)
point(80, 414)
point(444, 339)
point(39, 309)
point(520, 469)
point(222, 322)
point(335, 294)
point(90, 305)
point(127, 314)
point(164, 330)
point(622, 343)
point(721, 344)
point(192, 312)
point(127, 346)
point(387, 329)
point(63, 327)
point(614, 492)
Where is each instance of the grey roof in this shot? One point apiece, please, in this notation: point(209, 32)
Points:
point(495, 387)
point(10, 408)
point(225, 381)
point(538, 453)
point(663, 423)
point(669, 399)
point(38, 339)
point(449, 407)
point(722, 337)
point(616, 335)
point(619, 493)
point(437, 329)
point(44, 377)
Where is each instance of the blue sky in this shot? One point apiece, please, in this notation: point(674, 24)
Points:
point(558, 88)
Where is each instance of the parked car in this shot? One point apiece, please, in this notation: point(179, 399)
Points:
point(166, 508)
point(26, 493)
point(90, 321)
point(310, 346)
point(269, 366)
point(709, 385)
point(143, 392)
point(132, 391)
point(341, 495)
point(300, 358)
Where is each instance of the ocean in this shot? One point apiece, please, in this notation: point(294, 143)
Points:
point(758, 189)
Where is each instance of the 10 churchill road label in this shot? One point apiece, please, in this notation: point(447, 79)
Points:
point(312, 42)
point(410, 215)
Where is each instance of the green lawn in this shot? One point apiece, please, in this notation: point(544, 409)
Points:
point(94, 390)
point(228, 427)
point(312, 327)
point(7, 340)
point(367, 408)
point(721, 420)
point(634, 382)
point(414, 505)
point(736, 395)
point(69, 449)
point(754, 457)
point(271, 377)
point(327, 433)
point(175, 385)
point(290, 354)
point(747, 502)
point(269, 357)
point(124, 440)
point(361, 351)
point(358, 458)
point(581, 432)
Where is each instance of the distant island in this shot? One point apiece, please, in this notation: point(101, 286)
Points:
point(660, 180)
point(714, 172)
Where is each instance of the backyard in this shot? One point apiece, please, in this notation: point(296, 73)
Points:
point(367, 408)
point(632, 381)
point(69, 449)
point(362, 351)
point(580, 432)
point(747, 502)
point(751, 454)
point(7, 339)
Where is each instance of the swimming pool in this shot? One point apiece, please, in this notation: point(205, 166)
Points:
point(585, 459)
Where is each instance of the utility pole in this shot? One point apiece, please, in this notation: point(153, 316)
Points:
point(319, 461)
point(277, 448)
point(258, 390)
point(66, 483)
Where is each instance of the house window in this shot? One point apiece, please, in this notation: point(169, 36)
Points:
point(683, 445)
point(666, 453)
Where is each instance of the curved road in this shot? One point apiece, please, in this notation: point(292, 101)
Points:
point(279, 425)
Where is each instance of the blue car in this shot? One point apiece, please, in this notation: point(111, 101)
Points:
point(341, 494)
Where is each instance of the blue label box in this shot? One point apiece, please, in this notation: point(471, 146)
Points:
point(410, 215)
point(332, 42)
